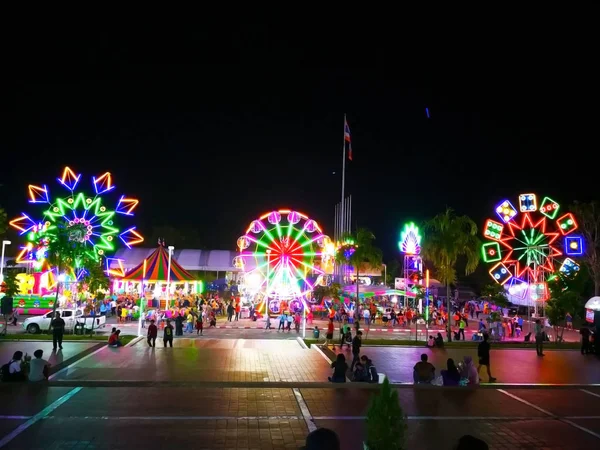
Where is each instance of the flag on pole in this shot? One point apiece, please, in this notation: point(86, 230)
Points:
point(347, 138)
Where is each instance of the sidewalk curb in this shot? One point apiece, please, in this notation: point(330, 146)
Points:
point(134, 341)
point(302, 343)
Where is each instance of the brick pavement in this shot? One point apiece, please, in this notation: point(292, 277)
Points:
point(270, 419)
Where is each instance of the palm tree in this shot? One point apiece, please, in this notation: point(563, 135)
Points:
point(359, 249)
point(449, 237)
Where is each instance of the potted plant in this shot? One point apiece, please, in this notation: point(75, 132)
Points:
point(386, 423)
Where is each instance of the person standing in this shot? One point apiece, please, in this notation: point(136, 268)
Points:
point(268, 325)
point(539, 337)
point(585, 340)
point(483, 352)
point(230, 310)
point(58, 331)
point(168, 334)
point(356, 344)
point(199, 326)
point(329, 335)
point(461, 328)
point(152, 334)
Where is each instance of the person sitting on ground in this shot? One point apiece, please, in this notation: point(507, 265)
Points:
point(39, 369)
point(340, 367)
point(372, 376)
point(114, 339)
point(450, 375)
point(360, 373)
point(439, 341)
point(431, 342)
point(12, 370)
point(423, 372)
point(469, 371)
point(322, 439)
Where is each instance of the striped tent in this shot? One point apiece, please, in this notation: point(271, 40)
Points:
point(157, 265)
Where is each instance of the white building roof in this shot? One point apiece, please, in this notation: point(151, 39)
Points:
point(189, 259)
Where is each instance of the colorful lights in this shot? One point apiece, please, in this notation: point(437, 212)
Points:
point(103, 183)
point(280, 254)
point(410, 240)
point(126, 206)
point(506, 211)
point(567, 224)
point(38, 194)
point(569, 267)
point(526, 253)
point(493, 230)
point(500, 273)
point(86, 220)
point(527, 202)
point(69, 179)
point(549, 208)
point(573, 245)
point(490, 252)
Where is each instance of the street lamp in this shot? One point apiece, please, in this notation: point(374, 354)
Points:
point(384, 274)
point(267, 288)
point(171, 248)
point(4, 244)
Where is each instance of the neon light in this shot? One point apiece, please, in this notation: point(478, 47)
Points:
point(38, 194)
point(527, 202)
point(69, 179)
point(119, 272)
point(131, 237)
point(126, 206)
point(490, 252)
point(85, 220)
point(549, 208)
point(569, 266)
point(506, 211)
point(493, 230)
point(567, 224)
point(517, 287)
point(500, 273)
point(282, 256)
point(573, 245)
point(103, 183)
point(410, 240)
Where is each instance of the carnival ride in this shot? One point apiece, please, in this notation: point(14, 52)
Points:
point(284, 255)
point(530, 245)
point(86, 217)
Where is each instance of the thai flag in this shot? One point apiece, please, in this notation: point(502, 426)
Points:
point(347, 139)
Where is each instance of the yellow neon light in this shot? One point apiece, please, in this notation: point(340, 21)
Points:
point(129, 203)
point(68, 175)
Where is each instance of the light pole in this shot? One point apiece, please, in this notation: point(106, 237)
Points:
point(384, 274)
point(171, 248)
point(4, 244)
point(267, 287)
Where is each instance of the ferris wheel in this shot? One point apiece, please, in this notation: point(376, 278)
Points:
point(281, 255)
point(530, 245)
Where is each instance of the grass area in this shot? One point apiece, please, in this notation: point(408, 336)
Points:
point(455, 344)
point(67, 337)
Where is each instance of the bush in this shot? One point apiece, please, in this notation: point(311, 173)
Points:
point(386, 424)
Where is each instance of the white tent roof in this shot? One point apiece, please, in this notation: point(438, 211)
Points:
point(593, 303)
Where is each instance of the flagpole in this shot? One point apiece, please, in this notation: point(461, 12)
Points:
point(343, 172)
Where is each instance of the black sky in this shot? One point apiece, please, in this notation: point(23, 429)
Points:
point(211, 131)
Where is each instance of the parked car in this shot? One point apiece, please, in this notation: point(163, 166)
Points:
point(71, 317)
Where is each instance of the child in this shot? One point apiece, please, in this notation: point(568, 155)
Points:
point(431, 342)
point(38, 367)
point(199, 326)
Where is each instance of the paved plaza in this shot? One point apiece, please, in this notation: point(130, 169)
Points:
point(268, 394)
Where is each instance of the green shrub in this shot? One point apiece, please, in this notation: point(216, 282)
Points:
point(386, 423)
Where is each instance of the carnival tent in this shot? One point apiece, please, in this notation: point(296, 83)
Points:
point(156, 269)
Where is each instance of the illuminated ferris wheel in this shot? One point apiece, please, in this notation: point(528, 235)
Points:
point(281, 254)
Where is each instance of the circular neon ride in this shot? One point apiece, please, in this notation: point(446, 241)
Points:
point(529, 245)
point(281, 255)
point(86, 217)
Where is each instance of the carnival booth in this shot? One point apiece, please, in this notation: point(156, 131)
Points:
point(158, 278)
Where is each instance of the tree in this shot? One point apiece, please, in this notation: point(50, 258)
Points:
point(449, 237)
point(10, 288)
point(386, 423)
point(65, 251)
point(495, 293)
point(359, 249)
point(96, 277)
point(564, 298)
point(588, 218)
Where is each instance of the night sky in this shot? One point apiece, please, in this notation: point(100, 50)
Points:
point(211, 134)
